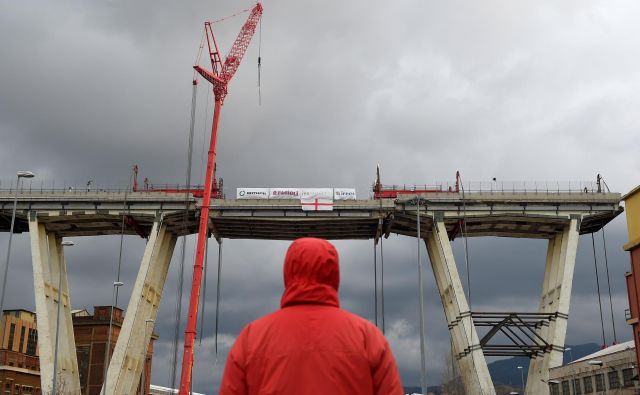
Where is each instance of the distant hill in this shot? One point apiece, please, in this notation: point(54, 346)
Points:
point(505, 371)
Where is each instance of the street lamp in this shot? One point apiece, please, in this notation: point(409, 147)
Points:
point(570, 353)
point(116, 285)
point(144, 353)
point(67, 243)
point(521, 369)
point(595, 363)
point(19, 174)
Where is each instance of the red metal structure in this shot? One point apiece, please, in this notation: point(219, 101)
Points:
point(381, 191)
point(219, 76)
point(196, 190)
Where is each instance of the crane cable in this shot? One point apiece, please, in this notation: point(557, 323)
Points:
point(595, 262)
point(259, 62)
point(183, 247)
point(232, 15)
point(606, 264)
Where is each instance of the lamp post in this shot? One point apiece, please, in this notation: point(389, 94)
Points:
point(54, 390)
point(521, 369)
point(144, 354)
point(107, 353)
point(570, 353)
point(20, 175)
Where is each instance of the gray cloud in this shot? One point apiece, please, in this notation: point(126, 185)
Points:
point(537, 91)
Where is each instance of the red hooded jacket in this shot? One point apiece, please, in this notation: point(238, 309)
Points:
point(311, 345)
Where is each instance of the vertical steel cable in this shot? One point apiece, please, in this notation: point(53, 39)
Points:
point(218, 292)
point(183, 246)
point(204, 290)
point(382, 283)
point(107, 356)
point(423, 367)
point(595, 262)
point(375, 282)
point(606, 264)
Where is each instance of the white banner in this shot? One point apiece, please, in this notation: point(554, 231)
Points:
point(316, 204)
point(252, 193)
point(284, 193)
point(344, 194)
point(316, 193)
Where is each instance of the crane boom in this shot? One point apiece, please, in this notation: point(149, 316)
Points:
point(219, 77)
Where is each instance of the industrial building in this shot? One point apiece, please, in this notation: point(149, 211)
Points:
point(612, 370)
point(19, 358)
point(19, 363)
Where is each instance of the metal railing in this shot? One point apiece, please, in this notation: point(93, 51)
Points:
point(526, 187)
point(53, 187)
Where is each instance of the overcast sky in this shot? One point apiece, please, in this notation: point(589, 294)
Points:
point(535, 91)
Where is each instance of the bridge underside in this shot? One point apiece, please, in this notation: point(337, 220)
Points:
point(496, 215)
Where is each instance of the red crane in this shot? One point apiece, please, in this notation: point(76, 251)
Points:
point(219, 76)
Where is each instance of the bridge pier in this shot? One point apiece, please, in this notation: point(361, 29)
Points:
point(466, 346)
point(555, 298)
point(131, 347)
point(48, 264)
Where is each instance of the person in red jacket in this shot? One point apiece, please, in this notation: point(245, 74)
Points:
point(311, 345)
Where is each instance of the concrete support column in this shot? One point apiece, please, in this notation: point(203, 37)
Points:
point(555, 298)
point(48, 263)
point(471, 361)
point(129, 355)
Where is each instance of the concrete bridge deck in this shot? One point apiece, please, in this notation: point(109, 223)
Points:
point(510, 214)
point(559, 217)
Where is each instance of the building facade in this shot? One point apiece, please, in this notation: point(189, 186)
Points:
point(91, 333)
point(611, 371)
point(632, 208)
point(19, 364)
point(19, 360)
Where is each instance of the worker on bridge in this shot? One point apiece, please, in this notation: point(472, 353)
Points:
point(311, 345)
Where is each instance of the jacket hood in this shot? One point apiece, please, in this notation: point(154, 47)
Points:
point(311, 273)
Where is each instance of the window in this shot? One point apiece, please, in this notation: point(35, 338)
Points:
point(627, 376)
point(614, 379)
point(555, 389)
point(565, 388)
point(32, 342)
point(588, 384)
point(21, 339)
point(12, 332)
point(599, 382)
point(577, 388)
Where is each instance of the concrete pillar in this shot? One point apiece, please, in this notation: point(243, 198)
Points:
point(555, 298)
point(129, 355)
point(466, 346)
point(48, 264)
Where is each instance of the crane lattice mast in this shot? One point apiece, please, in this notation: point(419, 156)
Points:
point(219, 76)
